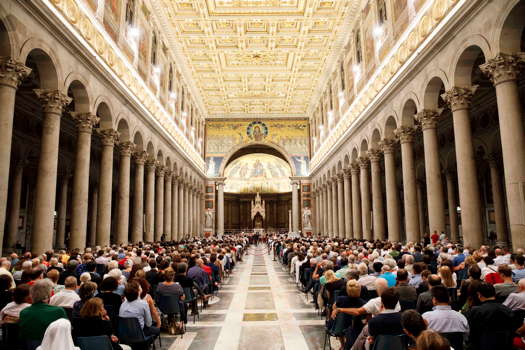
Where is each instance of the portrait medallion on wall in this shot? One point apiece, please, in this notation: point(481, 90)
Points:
point(257, 131)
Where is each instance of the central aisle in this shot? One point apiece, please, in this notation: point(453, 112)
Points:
point(258, 308)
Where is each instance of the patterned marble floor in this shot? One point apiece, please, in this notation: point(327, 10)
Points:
point(258, 308)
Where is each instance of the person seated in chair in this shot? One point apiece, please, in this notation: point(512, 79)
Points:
point(442, 318)
point(36, 318)
point(21, 299)
point(134, 307)
point(94, 321)
point(388, 321)
point(68, 296)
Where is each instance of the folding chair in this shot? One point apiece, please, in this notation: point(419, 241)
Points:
point(130, 333)
point(169, 306)
point(191, 300)
point(99, 342)
point(390, 342)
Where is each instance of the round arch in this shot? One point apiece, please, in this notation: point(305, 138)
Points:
point(228, 158)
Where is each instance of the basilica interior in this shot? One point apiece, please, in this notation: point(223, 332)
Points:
point(126, 121)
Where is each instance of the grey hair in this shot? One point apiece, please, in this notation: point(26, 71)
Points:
point(41, 291)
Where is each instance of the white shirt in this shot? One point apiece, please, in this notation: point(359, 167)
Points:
point(502, 259)
point(12, 309)
point(65, 298)
point(373, 306)
point(445, 320)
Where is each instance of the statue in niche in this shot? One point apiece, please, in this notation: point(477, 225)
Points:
point(208, 219)
point(307, 214)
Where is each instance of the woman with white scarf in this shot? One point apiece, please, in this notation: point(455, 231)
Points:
point(58, 336)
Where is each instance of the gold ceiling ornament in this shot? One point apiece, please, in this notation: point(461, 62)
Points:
point(84, 25)
point(386, 71)
point(270, 54)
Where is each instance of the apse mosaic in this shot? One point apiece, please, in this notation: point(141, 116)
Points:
point(222, 136)
point(258, 173)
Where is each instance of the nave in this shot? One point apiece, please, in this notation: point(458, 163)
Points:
point(259, 308)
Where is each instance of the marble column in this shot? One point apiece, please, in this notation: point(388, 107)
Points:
point(406, 137)
point(149, 230)
point(329, 206)
point(356, 202)
point(159, 201)
point(295, 205)
point(187, 190)
point(108, 138)
point(137, 217)
point(93, 217)
point(420, 208)
point(191, 209)
point(324, 209)
point(348, 204)
point(340, 206)
point(366, 208)
point(220, 207)
point(392, 199)
point(181, 205)
point(335, 201)
point(125, 149)
point(498, 201)
point(14, 203)
point(167, 204)
point(452, 207)
point(460, 100)
point(11, 75)
point(53, 102)
point(378, 210)
point(62, 211)
point(503, 70)
point(435, 197)
point(80, 195)
point(174, 208)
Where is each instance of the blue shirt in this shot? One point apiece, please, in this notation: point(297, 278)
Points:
point(138, 309)
point(459, 259)
point(518, 274)
point(390, 278)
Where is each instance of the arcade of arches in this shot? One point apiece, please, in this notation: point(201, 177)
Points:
point(413, 123)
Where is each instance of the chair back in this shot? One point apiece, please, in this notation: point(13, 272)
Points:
point(455, 339)
point(390, 342)
point(99, 342)
point(129, 331)
point(189, 294)
point(168, 303)
point(496, 340)
point(10, 336)
point(407, 305)
point(112, 312)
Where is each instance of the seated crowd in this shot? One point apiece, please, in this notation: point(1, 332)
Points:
point(61, 297)
point(434, 295)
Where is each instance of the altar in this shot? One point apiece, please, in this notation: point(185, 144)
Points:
point(258, 212)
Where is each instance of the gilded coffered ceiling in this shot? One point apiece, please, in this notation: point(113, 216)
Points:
point(256, 57)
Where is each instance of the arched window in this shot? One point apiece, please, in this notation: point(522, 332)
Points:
point(170, 80)
point(154, 49)
point(130, 12)
point(381, 11)
point(358, 52)
point(342, 75)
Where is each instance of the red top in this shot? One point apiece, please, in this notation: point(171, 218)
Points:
point(206, 269)
point(434, 238)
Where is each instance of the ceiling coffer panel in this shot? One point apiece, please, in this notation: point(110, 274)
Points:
point(256, 56)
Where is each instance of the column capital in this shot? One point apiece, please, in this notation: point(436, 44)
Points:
point(374, 155)
point(167, 174)
point(12, 72)
point(341, 177)
point(347, 173)
point(459, 98)
point(159, 169)
point(406, 134)
point(126, 148)
point(219, 181)
point(140, 157)
point(364, 162)
point(388, 145)
point(355, 168)
point(428, 119)
point(150, 163)
point(175, 178)
point(85, 121)
point(108, 136)
point(503, 67)
point(53, 101)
